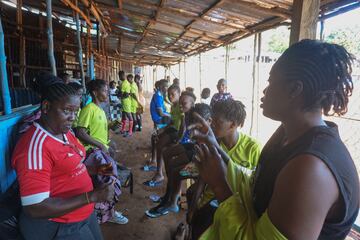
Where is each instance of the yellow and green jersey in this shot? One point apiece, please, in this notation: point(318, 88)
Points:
point(235, 219)
point(176, 115)
point(245, 153)
point(126, 102)
point(93, 118)
point(134, 103)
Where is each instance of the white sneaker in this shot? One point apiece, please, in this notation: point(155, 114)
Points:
point(118, 218)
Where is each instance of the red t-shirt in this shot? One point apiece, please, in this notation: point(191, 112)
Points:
point(48, 167)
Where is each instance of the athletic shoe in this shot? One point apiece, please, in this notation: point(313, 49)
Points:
point(118, 218)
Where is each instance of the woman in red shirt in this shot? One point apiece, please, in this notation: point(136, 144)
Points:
point(56, 191)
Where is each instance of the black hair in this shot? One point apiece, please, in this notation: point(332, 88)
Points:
point(137, 76)
point(202, 109)
point(325, 71)
point(162, 83)
point(112, 82)
point(222, 80)
point(176, 80)
point(188, 93)
point(205, 93)
point(52, 88)
point(231, 110)
point(95, 85)
point(121, 74)
point(174, 87)
point(75, 85)
point(129, 76)
point(189, 89)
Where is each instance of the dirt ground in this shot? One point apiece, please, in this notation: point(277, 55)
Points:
point(134, 152)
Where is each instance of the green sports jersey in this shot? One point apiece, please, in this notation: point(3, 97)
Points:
point(134, 103)
point(235, 219)
point(176, 116)
point(126, 102)
point(93, 118)
point(245, 153)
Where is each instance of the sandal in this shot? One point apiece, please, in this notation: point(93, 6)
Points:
point(148, 168)
point(152, 183)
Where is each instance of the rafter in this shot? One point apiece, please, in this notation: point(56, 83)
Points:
point(76, 9)
point(210, 36)
point(181, 12)
point(151, 21)
point(273, 11)
point(206, 11)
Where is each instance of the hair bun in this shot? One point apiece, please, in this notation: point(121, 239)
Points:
point(44, 80)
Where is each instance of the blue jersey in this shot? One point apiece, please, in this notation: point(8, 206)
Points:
point(157, 101)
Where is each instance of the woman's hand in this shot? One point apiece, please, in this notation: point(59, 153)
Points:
point(105, 169)
point(103, 193)
point(212, 170)
point(104, 149)
point(201, 131)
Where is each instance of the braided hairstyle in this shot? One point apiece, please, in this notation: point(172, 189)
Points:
point(95, 85)
point(202, 109)
point(325, 71)
point(75, 85)
point(52, 88)
point(231, 110)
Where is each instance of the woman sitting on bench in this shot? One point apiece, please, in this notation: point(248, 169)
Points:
point(56, 191)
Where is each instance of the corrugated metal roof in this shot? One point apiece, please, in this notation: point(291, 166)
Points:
point(164, 31)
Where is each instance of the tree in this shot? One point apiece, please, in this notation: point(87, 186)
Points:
point(279, 40)
point(346, 37)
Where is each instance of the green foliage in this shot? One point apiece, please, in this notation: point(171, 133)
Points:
point(346, 37)
point(279, 40)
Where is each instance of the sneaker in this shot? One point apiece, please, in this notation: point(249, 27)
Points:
point(118, 218)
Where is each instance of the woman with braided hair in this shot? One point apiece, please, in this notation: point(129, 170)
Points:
point(56, 191)
point(305, 185)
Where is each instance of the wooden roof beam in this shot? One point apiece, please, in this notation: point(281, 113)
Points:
point(199, 32)
point(68, 3)
point(274, 11)
point(203, 13)
point(151, 21)
point(97, 14)
point(180, 12)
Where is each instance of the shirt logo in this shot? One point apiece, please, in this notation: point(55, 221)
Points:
point(70, 154)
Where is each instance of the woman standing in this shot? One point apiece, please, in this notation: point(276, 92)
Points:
point(56, 191)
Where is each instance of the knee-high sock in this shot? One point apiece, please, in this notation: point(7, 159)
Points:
point(123, 122)
point(131, 124)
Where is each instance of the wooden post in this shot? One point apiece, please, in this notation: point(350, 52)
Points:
point(227, 50)
point(253, 86)
point(80, 52)
point(22, 63)
point(322, 25)
point(200, 74)
point(304, 19)
point(50, 37)
point(92, 67)
point(185, 73)
point(3, 74)
point(179, 69)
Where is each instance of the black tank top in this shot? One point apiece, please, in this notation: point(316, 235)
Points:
point(323, 142)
